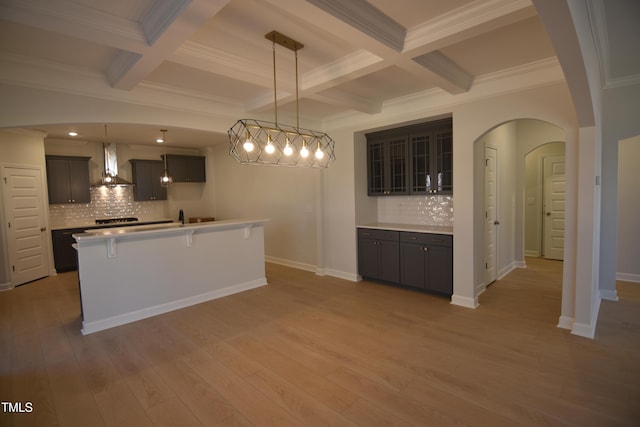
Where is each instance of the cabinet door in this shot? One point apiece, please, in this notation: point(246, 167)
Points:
point(376, 168)
point(398, 168)
point(413, 265)
point(157, 170)
point(79, 181)
point(389, 261)
point(64, 255)
point(146, 176)
point(368, 257)
point(68, 179)
point(186, 168)
point(443, 160)
point(440, 269)
point(421, 162)
point(58, 181)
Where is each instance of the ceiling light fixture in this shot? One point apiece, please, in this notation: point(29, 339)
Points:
point(165, 179)
point(73, 133)
point(265, 143)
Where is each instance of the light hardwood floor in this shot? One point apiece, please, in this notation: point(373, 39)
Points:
point(319, 351)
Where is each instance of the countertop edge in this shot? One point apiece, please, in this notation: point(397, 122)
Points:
point(159, 229)
point(415, 228)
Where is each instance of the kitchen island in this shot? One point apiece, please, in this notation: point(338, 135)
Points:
point(131, 273)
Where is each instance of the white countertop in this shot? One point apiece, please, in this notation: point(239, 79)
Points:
point(150, 229)
point(416, 228)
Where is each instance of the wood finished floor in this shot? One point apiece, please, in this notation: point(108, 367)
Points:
point(319, 351)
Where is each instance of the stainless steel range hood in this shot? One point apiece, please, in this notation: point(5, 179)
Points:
point(110, 176)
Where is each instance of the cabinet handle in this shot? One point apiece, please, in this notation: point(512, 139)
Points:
point(366, 234)
point(425, 249)
point(437, 240)
point(413, 238)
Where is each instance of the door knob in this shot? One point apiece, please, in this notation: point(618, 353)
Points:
point(496, 222)
point(548, 213)
point(43, 228)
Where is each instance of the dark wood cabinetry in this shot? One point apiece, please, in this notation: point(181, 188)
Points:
point(419, 260)
point(68, 179)
point(416, 159)
point(388, 165)
point(426, 261)
point(146, 177)
point(378, 254)
point(64, 255)
point(186, 168)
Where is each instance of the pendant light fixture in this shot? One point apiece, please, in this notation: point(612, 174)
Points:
point(165, 179)
point(264, 143)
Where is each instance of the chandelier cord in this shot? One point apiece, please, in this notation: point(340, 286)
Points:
point(275, 94)
point(297, 99)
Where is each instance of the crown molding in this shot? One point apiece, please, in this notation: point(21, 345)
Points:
point(161, 16)
point(461, 20)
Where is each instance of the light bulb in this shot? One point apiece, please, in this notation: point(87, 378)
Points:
point(248, 145)
point(287, 149)
point(304, 152)
point(319, 154)
point(107, 179)
point(165, 179)
point(269, 148)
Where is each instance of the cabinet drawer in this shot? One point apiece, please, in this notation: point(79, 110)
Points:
point(373, 233)
point(427, 239)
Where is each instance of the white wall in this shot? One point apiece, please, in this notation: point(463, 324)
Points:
point(628, 263)
point(286, 196)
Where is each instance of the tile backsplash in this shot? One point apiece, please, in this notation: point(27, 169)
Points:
point(421, 210)
point(115, 202)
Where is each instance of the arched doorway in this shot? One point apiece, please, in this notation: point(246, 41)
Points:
point(501, 152)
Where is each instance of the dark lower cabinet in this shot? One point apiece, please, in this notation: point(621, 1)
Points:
point(426, 261)
point(65, 257)
point(378, 254)
point(418, 260)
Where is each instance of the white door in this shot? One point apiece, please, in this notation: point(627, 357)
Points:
point(554, 198)
point(490, 214)
point(26, 224)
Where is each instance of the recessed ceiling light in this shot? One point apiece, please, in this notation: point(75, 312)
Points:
point(72, 133)
point(159, 140)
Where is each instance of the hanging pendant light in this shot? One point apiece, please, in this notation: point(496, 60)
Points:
point(259, 142)
point(165, 179)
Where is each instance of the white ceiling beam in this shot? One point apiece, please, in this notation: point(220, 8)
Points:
point(167, 25)
point(78, 21)
point(365, 17)
point(352, 102)
point(450, 76)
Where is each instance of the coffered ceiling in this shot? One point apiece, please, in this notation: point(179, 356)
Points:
point(211, 56)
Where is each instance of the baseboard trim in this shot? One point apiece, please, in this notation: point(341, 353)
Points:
point(609, 295)
point(533, 254)
point(565, 322)
point(508, 269)
point(293, 264)
point(464, 301)
point(628, 277)
point(588, 330)
point(5, 286)
point(121, 319)
point(342, 275)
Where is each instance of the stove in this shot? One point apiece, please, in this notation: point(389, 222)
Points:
point(115, 220)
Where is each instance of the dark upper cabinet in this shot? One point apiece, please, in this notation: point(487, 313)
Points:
point(186, 168)
point(388, 165)
point(431, 152)
point(146, 177)
point(415, 159)
point(68, 179)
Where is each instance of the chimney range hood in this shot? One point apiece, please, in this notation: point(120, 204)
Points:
point(110, 176)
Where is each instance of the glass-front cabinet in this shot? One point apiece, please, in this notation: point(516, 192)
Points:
point(415, 159)
point(388, 165)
